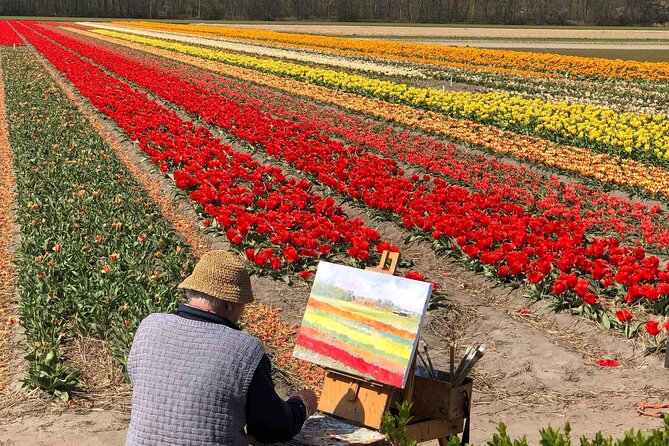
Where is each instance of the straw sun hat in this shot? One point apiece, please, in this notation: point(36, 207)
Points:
point(220, 274)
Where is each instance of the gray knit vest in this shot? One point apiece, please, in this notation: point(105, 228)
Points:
point(190, 380)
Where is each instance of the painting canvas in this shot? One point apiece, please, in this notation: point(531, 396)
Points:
point(363, 323)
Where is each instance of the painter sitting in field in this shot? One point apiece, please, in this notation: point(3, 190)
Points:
point(198, 379)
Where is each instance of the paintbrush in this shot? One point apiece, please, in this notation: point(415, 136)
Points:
point(425, 365)
point(469, 353)
point(467, 365)
point(452, 348)
point(429, 361)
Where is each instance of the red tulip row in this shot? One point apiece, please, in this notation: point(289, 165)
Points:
point(278, 220)
point(8, 37)
point(600, 213)
point(550, 251)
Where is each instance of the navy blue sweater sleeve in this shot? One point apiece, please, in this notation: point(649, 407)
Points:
point(269, 419)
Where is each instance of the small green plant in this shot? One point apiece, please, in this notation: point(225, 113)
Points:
point(554, 437)
point(656, 437)
point(394, 426)
point(501, 438)
point(48, 373)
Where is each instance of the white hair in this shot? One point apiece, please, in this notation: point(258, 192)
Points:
point(220, 307)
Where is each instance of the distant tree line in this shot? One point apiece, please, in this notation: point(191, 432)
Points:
point(511, 12)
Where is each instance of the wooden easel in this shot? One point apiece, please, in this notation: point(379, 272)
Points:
point(438, 411)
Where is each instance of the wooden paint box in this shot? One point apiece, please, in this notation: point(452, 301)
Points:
point(365, 402)
point(437, 399)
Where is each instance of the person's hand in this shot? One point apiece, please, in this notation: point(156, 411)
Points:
point(309, 399)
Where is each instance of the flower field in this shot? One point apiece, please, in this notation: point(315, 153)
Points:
point(92, 208)
point(605, 168)
point(290, 148)
point(636, 135)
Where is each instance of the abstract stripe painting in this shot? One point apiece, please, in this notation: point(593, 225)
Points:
point(363, 323)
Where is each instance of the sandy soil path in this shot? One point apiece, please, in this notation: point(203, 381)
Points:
point(100, 428)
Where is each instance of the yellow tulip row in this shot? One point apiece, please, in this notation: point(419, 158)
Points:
point(417, 52)
point(608, 169)
point(639, 136)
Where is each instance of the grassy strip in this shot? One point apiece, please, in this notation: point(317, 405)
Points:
point(7, 229)
point(96, 256)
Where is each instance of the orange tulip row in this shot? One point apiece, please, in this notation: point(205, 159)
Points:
point(531, 64)
point(583, 162)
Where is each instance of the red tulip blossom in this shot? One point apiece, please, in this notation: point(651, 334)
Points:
point(653, 328)
point(415, 275)
point(624, 316)
point(608, 363)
